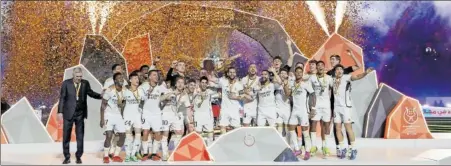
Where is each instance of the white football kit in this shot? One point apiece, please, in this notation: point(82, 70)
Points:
point(322, 91)
point(267, 105)
point(112, 115)
point(187, 111)
point(342, 102)
point(132, 112)
point(250, 108)
point(299, 114)
point(151, 114)
point(110, 82)
point(283, 106)
point(230, 109)
point(203, 115)
point(172, 118)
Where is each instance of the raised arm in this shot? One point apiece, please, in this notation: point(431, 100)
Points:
point(169, 74)
point(356, 61)
point(360, 76)
point(277, 79)
point(287, 89)
point(290, 52)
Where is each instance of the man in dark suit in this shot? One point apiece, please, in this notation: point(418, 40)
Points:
point(72, 108)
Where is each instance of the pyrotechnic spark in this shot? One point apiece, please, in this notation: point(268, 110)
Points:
point(318, 13)
point(107, 7)
point(92, 8)
point(99, 9)
point(340, 13)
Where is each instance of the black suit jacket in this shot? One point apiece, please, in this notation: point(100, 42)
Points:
point(68, 98)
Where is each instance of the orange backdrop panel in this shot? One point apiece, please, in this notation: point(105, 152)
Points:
point(137, 52)
point(3, 136)
point(337, 45)
point(406, 121)
point(55, 127)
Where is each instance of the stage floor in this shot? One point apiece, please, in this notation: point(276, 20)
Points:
point(370, 151)
point(365, 156)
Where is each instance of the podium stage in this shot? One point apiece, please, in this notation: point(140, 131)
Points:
point(370, 151)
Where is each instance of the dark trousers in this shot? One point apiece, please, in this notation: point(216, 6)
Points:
point(78, 120)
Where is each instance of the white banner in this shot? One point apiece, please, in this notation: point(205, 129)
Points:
point(436, 112)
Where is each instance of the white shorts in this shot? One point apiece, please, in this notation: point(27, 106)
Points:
point(151, 121)
point(267, 115)
point(283, 115)
point(114, 122)
point(172, 121)
point(299, 118)
point(132, 119)
point(226, 118)
point(203, 121)
point(342, 114)
point(322, 114)
point(250, 112)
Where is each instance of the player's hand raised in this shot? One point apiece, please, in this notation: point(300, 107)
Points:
point(288, 41)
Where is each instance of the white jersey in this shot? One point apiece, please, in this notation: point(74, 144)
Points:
point(236, 88)
point(266, 98)
point(152, 97)
point(202, 101)
point(170, 104)
point(113, 97)
point(342, 91)
point(176, 103)
point(299, 92)
point(110, 82)
point(322, 88)
point(133, 99)
point(182, 103)
point(282, 100)
point(251, 84)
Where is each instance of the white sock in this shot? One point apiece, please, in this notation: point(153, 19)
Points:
point(164, 145)
point(352, 145)
point(136, 144)
point(308, 141)
point(342, 145)
point(145, 145)
point(117, 151)
point(299, 140)
point(106, 151)
point(128, 144)
point(313, 138)
point(150, 145)
point(325, 141)
point(155, 146)
point(113, 143)
point(294, 141)
point(210, 138)
point(176, 140)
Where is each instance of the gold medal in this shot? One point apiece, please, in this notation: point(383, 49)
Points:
point(336, 85)
point(136, 94)
point(119, 97)
point(296, 87)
